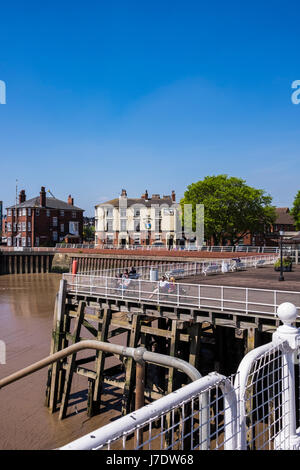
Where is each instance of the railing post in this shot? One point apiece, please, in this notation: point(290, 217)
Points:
point(222, 298)
point(287, 438)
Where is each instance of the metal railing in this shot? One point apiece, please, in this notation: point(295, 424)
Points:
point(201, 296)
point(27, 249)
point(186, 269)
point(174, 422)
point(188, 247)
point(268, 392)
point(260, 412)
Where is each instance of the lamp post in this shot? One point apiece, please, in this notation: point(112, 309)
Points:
point(281, 278)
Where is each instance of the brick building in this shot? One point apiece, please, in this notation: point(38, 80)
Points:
point(43, 221)
point(136, 221)
point(284, 222)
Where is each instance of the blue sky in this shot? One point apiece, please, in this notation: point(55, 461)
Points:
point(148, 95)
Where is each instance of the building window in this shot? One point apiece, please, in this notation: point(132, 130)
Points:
point(28, 241)
point(157, 225)
point(48, 213)
point(37, 241)
point(23, 241)
point(109, 212)
point(137, 226)
point(20, 212)
point(109, 226)
point(62, 227)
point(23, 226)
point(74, 228)
point(9, 212)
point(29, 212)
point(24, 211)
point(74, 215)
point(15, 226)
point(8, 241)
point(123, 212)
point(123, 225)
point(8, 226)
point(29, 226)
point(54, 221)
point(19, 227)
point(54, 235)
point(37, 211)
point(137, 212)
point(62, 213)
point(109, 239)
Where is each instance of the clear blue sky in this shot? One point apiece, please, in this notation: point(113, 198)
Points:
point(148, 95)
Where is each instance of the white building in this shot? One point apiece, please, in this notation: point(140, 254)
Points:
point(140, 221)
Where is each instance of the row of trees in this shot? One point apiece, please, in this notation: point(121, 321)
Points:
point(232, 209)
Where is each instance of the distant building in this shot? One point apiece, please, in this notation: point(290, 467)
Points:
point(43, 221)
point(284, 222)
point(136, 221)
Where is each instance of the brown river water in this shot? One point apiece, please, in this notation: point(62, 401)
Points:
point(26, 315)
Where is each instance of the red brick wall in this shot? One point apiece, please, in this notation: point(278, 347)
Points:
point(42, 225)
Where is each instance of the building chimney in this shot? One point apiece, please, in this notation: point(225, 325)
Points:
point(124, 193)
point(43, 197)
point(145, 196)
point(70, 200)
point(22, 196)
point(173, 196)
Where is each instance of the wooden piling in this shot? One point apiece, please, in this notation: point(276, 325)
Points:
point(71, 362)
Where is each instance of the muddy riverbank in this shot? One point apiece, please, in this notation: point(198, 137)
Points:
point(26, 312)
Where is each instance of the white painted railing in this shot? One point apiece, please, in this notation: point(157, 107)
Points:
point(186, 269)
point(174, 422)
point(200, 296)
point(221, 249)
point(259, 412)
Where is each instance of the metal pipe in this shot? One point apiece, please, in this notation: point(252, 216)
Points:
point(135, 353)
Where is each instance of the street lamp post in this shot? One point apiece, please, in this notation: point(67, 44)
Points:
point(281, 278)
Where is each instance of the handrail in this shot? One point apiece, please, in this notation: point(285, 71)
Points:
point(137, 354)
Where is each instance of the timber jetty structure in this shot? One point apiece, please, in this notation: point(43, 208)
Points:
point(210, 326)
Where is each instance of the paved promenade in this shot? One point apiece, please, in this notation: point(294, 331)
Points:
point(259, 278)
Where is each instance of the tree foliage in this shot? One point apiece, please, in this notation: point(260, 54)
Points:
point(88, 232)
point(232, 209)
point(295, 211)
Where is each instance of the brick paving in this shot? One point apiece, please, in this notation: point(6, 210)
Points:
point(259, 278)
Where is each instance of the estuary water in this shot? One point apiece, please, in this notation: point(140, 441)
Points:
point(26, 315)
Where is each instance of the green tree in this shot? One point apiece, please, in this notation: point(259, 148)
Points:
point(232, 209)
point(88, 233)
point(295, 212)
